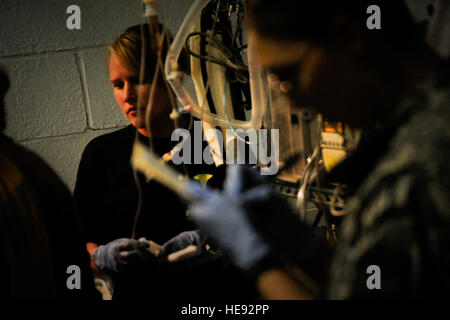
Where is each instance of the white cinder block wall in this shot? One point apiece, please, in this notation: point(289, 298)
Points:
point(60, 97)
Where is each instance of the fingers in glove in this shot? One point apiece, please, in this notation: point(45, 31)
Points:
point(129, 256)
point(257, 194)
point(241, 178)
point(181, 241)
point(130, 244)
point(233, 182)
point(201, 193)
point(205, 211)
point(145, 255)
point(128, 259)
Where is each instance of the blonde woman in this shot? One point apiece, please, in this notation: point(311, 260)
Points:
point(106, 193)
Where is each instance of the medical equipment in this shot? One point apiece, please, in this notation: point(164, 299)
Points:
point(145, 161)
point(174, 76)
point(233, 94)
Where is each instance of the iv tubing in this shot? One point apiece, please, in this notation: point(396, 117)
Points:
point(174, 77)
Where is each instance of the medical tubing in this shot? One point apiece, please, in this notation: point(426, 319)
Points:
point(302, 196)
point(174, 77)
point(175, 50)
point(151, 8)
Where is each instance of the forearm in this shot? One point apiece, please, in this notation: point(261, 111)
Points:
point(298, 281)
point(277, 284)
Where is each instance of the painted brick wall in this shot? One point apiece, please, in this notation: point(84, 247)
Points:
point(60, 97)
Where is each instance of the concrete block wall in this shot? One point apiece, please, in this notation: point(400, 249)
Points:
point(60, 97)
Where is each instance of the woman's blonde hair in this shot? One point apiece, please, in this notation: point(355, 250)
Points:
point(129, 45)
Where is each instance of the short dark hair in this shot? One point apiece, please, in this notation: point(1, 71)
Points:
point(322, 22)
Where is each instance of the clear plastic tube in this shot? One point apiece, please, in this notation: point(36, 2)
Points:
point(174, 77)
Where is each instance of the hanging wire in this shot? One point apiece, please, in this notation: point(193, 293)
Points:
point(186, 47)
point(159, 68)
point(228, 63)
point(317, 168)
point(312, 172)
point(216, 18)
point(156, 45)
point(154, 83)
point(302, 196)
point(233, 130)
point(136, 139)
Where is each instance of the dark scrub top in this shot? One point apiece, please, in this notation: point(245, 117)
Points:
point(106, 197)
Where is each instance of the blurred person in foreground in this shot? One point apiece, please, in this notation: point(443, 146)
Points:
point(41, 238)
point(386, 82)
point(119, 206)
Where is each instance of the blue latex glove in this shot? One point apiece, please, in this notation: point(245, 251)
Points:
point(223, 218)
point(181, 241)
point(120, 255)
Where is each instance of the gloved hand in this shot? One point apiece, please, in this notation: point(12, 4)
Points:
point(223, 217)
point(249, 218)
point(120, 255)
point(181, 241)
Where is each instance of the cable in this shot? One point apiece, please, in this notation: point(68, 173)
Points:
point(319, 136)
point(238, 25)
point(235, 66)
point(136, 139)
point(152, 25)
point(226, 114)
point(159, 37)
point(216, 18)
point(140, 199)
point(154, 85)
point(187, 49)
point(312, 171)
point(302, 196)
point(219, 45)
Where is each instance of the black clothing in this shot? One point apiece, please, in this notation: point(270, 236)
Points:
point(106, 194)
point(107, 199)
point(40, 234)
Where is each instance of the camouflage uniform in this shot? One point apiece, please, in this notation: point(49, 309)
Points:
point(399, 214)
